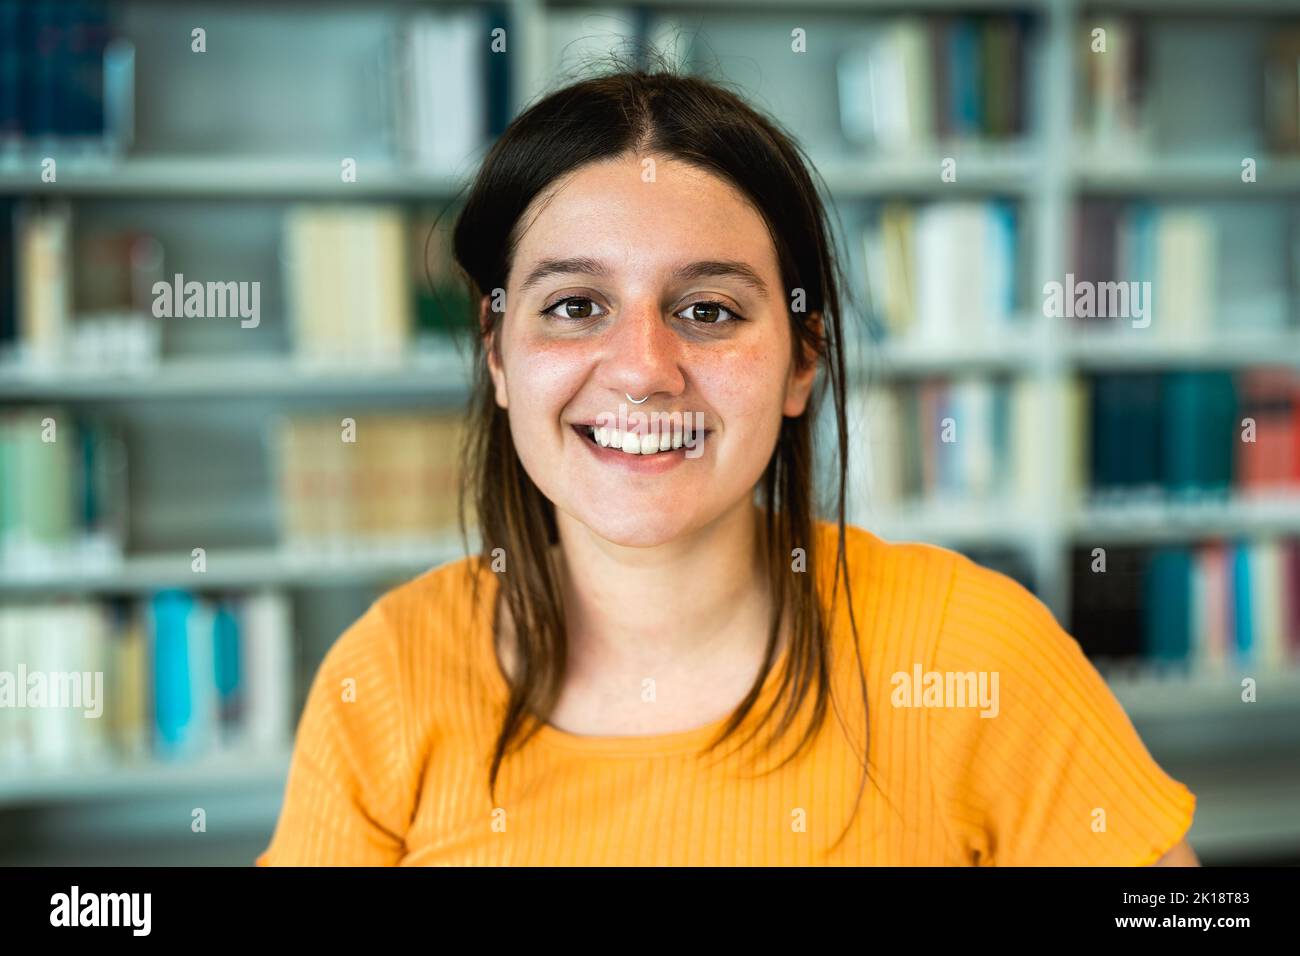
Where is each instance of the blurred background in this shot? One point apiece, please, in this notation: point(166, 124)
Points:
point(178, 513)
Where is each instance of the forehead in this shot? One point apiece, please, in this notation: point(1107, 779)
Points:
point(612, 210)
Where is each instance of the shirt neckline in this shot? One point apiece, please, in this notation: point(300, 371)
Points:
point(613, 745)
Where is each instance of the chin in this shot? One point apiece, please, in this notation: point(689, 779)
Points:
point(646, 529)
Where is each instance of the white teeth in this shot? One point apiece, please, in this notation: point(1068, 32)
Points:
point(631, 443)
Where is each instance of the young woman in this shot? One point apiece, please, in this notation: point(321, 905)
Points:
point(661, 655)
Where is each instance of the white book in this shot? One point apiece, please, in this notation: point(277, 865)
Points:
point(449, 97)
point(204, 704)
point(267, 653)
point(15, 739)
point(89, 621)
point(1186, 289)
point(1269, 642)
point(43, 277)
point(973, 410)
point(874, 474)
point(1027, 480)
point(49, 653)
point(950, 263)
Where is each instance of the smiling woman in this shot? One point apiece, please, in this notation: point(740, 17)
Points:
point(563, 697)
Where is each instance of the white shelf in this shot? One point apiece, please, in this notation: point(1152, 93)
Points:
point(1128, 348)
point(236, 176)
point(1206, 695)
point(1017, 349)
point(435, 374)
point(953, 524)
point(1154, 522)
point(236, 568)
point(1179, 176)
point(222, 771)
point(980, 170)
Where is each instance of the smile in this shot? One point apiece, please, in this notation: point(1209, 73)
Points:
point(650, 444)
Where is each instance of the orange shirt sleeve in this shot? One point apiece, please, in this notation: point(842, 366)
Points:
point(1058, 775)
point(350, 792)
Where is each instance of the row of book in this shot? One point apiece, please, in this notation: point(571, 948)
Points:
point(61, 75)
point(65, 77)
point(363, 283)
point(85, 299)
point(172, 677)
point(385, 477)
point(1117, 62)
point(1194, 432)
point(938, 78)
point(941, 270)
point(1179, 435)
point(1209, 607)
point(450, 86)
point(63, 489)
point(969, 438)
point(1177, 249)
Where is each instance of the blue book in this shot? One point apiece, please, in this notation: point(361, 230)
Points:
point(226, 663)
point(173, 705)
point(14, 43)
point(1126, 434)
point(1167, 627)
point(1242, 610)
point(965, 77)
point(1199, 414)
point(497, 75)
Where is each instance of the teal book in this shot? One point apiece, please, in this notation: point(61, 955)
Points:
point(1198, 410)
point(1243, 613)
point(226, 663)
point(1167, 628)
point(965, 75)
point(173, 704)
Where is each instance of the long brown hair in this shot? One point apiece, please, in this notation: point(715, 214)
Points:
point(699, 122)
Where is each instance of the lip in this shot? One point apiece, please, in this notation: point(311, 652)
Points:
point(655, 464)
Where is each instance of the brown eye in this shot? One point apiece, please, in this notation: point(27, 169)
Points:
point(709, 313)
point(575, 307)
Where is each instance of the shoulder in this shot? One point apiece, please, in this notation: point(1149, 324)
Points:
point(424, 621)
point(912, 578)
point(926, 601)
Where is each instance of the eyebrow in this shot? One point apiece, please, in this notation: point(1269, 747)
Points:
point(702, 269)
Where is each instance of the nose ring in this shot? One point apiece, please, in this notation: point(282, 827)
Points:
point(636, 401)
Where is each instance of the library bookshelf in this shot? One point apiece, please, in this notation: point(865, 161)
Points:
point(1048, 172)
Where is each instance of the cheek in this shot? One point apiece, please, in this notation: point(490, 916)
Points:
point(541, 377)
point(747, 389)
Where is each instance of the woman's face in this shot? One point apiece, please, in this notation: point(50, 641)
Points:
point(657, 282)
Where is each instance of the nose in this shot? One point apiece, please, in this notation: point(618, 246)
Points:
point(643, 356)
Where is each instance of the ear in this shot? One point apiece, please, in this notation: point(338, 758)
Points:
point(491, 348)
point(799, 382)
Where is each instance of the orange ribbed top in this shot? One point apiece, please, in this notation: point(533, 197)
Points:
point(1056, 775)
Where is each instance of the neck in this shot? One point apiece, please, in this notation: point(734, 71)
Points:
point(700, 597)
